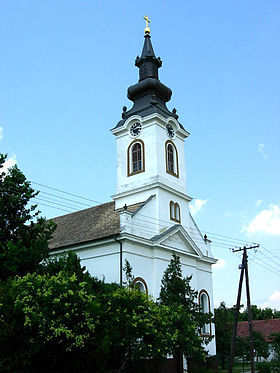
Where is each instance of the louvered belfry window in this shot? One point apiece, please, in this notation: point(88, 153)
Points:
point(136, 157)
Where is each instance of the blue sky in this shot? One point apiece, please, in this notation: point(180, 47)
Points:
point(64, 70)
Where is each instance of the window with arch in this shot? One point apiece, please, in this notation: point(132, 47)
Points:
point(140, 284)
point(135, 157)
point(204, 302)
point(171, 158)
point(175, 214)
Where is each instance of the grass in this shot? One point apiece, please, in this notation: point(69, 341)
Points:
point(238, 368)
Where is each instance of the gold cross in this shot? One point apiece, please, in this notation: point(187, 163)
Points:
point(147, 29)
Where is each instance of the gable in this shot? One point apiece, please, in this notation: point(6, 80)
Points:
point(177, 238)
point(178, 241)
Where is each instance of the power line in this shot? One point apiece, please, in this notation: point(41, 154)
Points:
point(56, 202)
point(266, 266)
point(218, 240)
point(66, 199)
point(62, 191)
point(57, 208)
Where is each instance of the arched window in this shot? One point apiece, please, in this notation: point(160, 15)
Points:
point(140, 284)
point(135, 157)
point(204, 302)
point(175, 214)
point(171, 158)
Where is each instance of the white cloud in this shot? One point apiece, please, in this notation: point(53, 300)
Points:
point(1, 132)
point(197, 205)
point(258, 202)
point(273, 301)
point(267, 221)
point(221, 263)
point(261, 150)
point(10, 162)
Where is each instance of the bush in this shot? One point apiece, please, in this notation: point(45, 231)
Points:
point(263, 367)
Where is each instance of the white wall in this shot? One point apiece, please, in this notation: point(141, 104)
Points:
point(154, 136)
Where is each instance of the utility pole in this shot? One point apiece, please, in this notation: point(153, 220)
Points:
point(244, 268)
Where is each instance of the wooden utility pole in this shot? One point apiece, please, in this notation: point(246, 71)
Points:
point(244, 268)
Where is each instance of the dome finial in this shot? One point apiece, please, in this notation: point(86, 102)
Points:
point(147, 29)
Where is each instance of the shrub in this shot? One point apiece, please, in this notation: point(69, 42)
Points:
point(263, 367)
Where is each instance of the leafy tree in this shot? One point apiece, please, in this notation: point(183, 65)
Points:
point(61, 319)
point(185, 316)
point(45, 319)
point(260, 346)
point(275, 339)
point(259, 313)
point(133, 330)
point(23, 235)
point(128, 274)
point(223, 326)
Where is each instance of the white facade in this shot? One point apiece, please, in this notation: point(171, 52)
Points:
point(153, 205)
point(149, 235)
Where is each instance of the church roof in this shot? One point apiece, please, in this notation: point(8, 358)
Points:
point(85, 225)
point(88, 225)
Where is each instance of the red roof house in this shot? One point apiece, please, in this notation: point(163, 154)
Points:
point(265, 327)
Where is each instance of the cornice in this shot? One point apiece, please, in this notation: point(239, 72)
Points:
point(148, 120)
point(157, 184)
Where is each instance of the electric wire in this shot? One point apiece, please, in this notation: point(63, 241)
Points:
point(218, 240)
point(271, 253)
point(66, 199)
point(50, 201)
point(264, 265)
point(215, 236)
point(57, 208)
point(62, 191)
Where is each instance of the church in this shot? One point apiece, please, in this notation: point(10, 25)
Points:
point(148, 218)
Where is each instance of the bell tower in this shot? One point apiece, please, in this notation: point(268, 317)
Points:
point(150, 141)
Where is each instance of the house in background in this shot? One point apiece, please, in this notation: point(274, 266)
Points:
point(149, 216)
point(265, 327)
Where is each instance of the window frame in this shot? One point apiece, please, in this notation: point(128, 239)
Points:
point(175, 159)
point(142, 281)
point(208, 332)
point(130, 171)
point(174, 208)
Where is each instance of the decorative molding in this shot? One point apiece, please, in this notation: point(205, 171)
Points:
point(157, 184)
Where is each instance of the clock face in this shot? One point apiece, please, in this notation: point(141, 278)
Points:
point(170, 131)
point(135, 129)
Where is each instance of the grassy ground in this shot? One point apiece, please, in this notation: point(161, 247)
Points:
point(238, 368)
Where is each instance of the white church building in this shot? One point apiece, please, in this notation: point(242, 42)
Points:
point(149, 216)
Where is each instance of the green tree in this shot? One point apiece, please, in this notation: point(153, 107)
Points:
point(133, 330)
point(61, 319)
point(23, 235)
point(223, 326)
point(43, 320)
point(185, 316)
point(260, 346)
point(260, 313)
point(275, 339)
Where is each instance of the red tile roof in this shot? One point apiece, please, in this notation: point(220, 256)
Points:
point(265, 327)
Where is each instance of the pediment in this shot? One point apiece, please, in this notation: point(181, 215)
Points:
point(178, 239)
